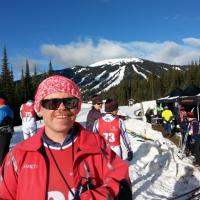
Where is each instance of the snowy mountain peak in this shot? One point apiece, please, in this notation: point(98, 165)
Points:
point(116, 61)
point(104, 75)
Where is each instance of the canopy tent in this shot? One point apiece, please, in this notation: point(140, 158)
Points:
point(191, 99)
point(172, 97)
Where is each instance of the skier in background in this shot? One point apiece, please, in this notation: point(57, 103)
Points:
point(95, 112)
point(111, 127)
point(183, 121)
point(194, 138)
point(28, 116)
point(6, 128)
point(167, 121)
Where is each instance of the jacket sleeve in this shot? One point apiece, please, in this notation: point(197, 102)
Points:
point(8, 178)
point(112, 171)
point(96, 126)
point(20, 111)
point(89, 121)
point(125, 135)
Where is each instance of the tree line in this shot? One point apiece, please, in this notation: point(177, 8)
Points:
point(156, 86)
point(17, 92)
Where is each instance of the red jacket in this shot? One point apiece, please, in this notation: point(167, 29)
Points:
point(23, 174)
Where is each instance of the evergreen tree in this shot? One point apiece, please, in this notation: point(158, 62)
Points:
point(7, 84)
point(50, 70)
point(35, 79)
point(21, 87)
point(28, 90)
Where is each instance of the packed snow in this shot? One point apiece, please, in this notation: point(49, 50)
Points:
point(156, 172)
point(136, 70)
point(116, 61)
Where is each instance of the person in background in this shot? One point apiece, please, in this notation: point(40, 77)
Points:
point(149, 114)
point(167, 121)
point(176, 113)
point(158, 110)
point(6, 128)
point(111, 127)
point(28, 116)
point(95, 112)
point(62, 160)
point(183, 122)
point(194, 137)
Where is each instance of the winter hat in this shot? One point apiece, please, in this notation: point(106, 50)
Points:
point(55, 84)
point(2, 101)
point(96, 99)
point(190, 114)
point(111, 105)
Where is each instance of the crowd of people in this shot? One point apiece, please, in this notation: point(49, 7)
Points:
point(178, 120)
point(190, 134)
point(64, 160)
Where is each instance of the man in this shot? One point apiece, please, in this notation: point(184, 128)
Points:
point(183, 120)
point(167, 121)
point(6, 128)
point(193, 140)
point(95, 112)
point(62, 160)
point(111, 127)
point(28, 116)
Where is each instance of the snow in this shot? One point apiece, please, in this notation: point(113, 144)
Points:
point(116, 61)
point(100, 75)
point(112, 80)
point(136, 70)
point(156, 172)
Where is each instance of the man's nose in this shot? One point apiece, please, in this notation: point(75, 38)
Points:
point(61, 107)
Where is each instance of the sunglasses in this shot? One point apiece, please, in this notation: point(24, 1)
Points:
point(53, 104)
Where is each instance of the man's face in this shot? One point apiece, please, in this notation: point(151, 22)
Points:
point(61, 119)
point(98, 106)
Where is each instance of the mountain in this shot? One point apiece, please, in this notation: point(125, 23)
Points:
point(103, 75)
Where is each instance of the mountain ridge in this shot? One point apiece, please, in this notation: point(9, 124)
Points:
point(103, 75)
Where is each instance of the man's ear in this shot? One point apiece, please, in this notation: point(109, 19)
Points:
point(39, 113)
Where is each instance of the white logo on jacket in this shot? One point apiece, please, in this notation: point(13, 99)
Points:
point(30, 166)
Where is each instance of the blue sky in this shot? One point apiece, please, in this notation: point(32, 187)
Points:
point(81, 32)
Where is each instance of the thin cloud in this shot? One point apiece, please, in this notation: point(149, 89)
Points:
point(174, 17)
point(192, 41)
point(87, 52)
point(83, 53)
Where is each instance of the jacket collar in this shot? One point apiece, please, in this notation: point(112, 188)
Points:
point(86, 141)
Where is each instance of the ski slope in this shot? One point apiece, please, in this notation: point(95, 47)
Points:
point(156, 172)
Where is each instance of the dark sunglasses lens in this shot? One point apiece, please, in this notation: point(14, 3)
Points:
point(70, 103)
point(50, 104)
point(53, 104)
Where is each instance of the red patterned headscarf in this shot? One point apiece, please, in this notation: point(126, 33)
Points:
point(55, 84)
